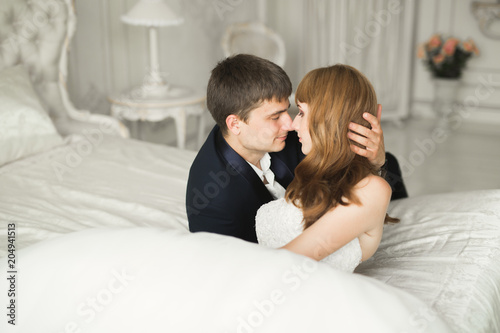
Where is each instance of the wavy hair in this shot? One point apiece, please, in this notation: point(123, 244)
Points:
point(335, 96)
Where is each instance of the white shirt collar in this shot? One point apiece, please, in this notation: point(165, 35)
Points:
point(275, 188)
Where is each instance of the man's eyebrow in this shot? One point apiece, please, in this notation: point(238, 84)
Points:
point(280, 111)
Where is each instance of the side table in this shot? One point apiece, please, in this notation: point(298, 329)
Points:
point(176, 102)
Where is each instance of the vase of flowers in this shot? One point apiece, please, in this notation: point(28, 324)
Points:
point(446, 58)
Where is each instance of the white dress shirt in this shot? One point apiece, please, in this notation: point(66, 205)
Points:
point(275, 188)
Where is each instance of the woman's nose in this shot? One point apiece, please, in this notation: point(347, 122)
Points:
point(296, 123)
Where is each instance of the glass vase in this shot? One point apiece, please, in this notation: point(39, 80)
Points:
point(445, 98)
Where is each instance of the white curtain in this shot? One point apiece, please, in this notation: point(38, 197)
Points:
point(374, 36)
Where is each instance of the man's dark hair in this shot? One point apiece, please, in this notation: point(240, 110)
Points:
point(241, 83)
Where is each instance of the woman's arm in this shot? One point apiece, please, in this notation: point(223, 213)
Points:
point(342, 224)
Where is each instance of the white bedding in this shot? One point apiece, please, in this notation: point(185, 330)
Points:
point(119, 183)
point(445, 251)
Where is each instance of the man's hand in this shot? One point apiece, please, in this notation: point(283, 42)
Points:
point(372, 139)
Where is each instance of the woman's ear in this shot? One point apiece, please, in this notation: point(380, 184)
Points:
point(233, 124)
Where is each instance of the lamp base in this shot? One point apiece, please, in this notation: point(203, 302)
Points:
point(150, 91)
point(152, 86)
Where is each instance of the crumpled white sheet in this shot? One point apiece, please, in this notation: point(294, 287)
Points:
point(82, 184)
point(446, 251)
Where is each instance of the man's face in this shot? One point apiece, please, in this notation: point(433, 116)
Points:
point(266, 128)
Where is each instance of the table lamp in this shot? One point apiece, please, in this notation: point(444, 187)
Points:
point(152, 14)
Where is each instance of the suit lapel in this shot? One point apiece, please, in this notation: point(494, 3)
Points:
point(241, 166)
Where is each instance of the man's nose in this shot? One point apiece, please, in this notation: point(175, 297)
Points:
point(287, 122)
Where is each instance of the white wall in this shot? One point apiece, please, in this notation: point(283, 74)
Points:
point(454, 17)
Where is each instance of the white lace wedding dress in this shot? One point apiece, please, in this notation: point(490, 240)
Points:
point(278, 222)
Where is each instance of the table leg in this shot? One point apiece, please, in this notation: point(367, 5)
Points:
point(135, 129)
point(140, 125)
point(180, 123)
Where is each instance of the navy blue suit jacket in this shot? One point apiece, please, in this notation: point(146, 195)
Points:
point(224, 192)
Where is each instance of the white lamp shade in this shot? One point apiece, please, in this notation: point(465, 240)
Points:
point(152, 13)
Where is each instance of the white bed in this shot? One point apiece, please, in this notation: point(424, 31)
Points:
point(102, 243)
point(446, 250)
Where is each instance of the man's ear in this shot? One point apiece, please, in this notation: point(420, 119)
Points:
point(233, 124)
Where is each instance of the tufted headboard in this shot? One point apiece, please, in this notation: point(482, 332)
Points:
point(37, 34)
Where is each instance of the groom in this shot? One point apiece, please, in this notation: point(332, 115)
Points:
point(250, 156)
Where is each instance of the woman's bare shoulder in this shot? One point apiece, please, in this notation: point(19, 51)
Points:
point(373, 187)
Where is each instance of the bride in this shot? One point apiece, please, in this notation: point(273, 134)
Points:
point(335, 208)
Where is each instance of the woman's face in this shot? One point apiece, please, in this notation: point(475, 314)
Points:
point(301, 126)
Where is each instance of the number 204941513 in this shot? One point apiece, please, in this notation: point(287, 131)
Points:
point(11, 245)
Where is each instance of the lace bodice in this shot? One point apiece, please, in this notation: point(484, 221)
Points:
point(278, 222)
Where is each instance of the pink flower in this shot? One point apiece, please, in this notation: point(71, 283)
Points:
point(434, 42)
point(450, 46)
point(438, 59)
point(470, 46)
point(467, 46)
point(446, 56)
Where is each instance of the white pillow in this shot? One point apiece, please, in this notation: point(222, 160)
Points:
point(25, 127)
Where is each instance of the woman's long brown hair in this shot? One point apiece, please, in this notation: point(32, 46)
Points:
point(335, 96)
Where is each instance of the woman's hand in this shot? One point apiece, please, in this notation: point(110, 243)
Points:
point(372, 139)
